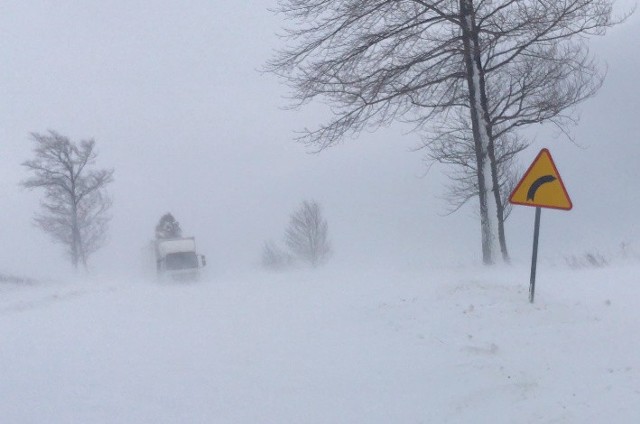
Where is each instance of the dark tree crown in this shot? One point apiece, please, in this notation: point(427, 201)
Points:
point(168, 227)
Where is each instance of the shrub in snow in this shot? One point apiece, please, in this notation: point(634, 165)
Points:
point(274, 258)
point(16, 280)
point(587, 260)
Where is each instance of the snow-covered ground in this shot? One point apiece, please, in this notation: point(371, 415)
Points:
point(332, 346)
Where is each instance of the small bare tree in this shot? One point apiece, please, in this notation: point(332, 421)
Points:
point(75, 206)
point(307, 234)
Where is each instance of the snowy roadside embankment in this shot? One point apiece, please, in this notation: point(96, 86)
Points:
point(363, 346)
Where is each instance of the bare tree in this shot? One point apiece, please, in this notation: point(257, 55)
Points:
point(504, 63)
point(307, 234)
point(75, 206)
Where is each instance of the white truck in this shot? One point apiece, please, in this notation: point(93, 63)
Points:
point(177, 259)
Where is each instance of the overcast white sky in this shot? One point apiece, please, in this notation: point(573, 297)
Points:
point(171, 93)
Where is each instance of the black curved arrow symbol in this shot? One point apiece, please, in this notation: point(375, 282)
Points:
point(536, 185)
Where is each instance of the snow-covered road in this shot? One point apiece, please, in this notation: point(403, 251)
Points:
point(333, 346)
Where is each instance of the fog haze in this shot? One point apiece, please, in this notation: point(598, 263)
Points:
point(173, 96)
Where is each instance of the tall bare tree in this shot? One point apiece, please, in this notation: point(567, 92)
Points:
point(75, 206)
point(307, 234)
point(504, 63)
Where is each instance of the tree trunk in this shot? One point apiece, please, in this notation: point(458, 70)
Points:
point(500, 206)
point(76, 242)
point(490, 203)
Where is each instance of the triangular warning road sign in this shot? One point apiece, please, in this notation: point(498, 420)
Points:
point(541, 185)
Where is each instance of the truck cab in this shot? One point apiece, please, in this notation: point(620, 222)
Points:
point(177, 259)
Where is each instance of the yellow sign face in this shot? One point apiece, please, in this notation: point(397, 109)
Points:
point(541, 185)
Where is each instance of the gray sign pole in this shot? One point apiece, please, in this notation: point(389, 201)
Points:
point(534, 257)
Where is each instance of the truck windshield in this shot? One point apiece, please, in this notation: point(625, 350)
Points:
point(181, 260)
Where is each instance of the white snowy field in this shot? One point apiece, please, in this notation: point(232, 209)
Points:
point(332, 346)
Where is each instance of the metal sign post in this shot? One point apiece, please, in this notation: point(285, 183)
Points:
point(534, 256)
